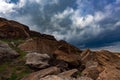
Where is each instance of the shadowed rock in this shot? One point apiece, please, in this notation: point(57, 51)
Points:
point(6, 53)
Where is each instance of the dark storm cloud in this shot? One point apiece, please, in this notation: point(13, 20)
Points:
point(85, 23)
point(41, 13)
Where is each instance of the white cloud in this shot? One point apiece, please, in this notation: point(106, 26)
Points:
point(82, 22)
point(6, 7)
point(64, 14)
point(117, 24)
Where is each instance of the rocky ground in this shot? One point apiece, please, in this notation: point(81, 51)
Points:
point(29, 55)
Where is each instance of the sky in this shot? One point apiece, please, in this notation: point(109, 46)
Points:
point(93, 24)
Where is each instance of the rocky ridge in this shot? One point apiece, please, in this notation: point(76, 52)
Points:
point(31, 55)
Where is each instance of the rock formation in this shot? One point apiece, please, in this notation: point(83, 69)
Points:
point(49, 59)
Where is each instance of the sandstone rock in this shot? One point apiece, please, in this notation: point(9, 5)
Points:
point(39, 45)
point(94, 65)
point(68, 73)
point(42, 73)
point(56, 77)
point(71, 58)
point(84, 78)
point(60, 49)
point(47, 44)
point(49, 37)
point(11, 29)
point(100, 65)
point(35, 34)
point(6, 53)
point(37, 60)
point(118, 54)
point(68, 48)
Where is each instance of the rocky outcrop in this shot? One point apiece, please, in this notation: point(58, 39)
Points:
point(60, 49)
point(6, 53)
point(100, 65)
point(56, 77)
point(44, 52)
point(117, 54)
point(39, 45)
point(37, 60)
point(11, 29)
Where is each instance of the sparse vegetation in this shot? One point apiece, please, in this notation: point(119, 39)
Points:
point(15, 68)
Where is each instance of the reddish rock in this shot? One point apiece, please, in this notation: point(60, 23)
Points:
point(39, 45)
point(100, 65)
point(117, 54)
point(42, 73)
point(12, 29)
point(35, 34)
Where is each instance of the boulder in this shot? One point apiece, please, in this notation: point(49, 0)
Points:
point(68, 73)
point(37, 60)
point(42, 73)
point(84, 78)
point(6, 53)
point(56, 77)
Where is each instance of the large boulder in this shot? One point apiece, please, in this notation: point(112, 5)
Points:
point(68, 73)
point(42, 73)
point(84, 78)
point(37, 60)
point(52, 73)
point(56, 77)
point(6, 53)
